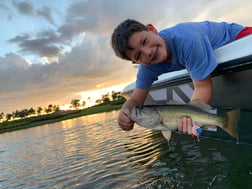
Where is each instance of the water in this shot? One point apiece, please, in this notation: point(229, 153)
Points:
point(92, 152)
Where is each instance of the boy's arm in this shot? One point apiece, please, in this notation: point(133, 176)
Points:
point(137, 98)
point(202, 90)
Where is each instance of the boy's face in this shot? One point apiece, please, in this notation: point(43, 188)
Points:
point(148, 48)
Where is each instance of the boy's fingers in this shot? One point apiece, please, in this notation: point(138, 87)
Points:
point(185, 125)
point(125, 124)
point(124, 121)
point(127, 127)
point(180, 126)
point(190, 125)
point(126, 112)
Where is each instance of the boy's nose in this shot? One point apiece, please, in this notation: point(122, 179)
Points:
point(147, 52)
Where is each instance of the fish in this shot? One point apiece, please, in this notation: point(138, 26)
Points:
point(166, 117)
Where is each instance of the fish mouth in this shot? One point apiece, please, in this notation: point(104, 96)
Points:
point(134, 112)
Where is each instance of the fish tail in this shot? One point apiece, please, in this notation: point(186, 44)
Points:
point(232, 118)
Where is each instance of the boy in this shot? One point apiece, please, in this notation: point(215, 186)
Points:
point(185, 46)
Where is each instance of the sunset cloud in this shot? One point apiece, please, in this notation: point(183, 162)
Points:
point(51, 51)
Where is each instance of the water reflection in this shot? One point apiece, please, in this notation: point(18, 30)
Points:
point(93, 152)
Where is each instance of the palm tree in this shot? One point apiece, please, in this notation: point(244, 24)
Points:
point(75, 103)
point(8, 116)
point(84, 104)
point(1, 115)
point(31, 111)
point(115, 95)
point(56, 108)
point(23, 113)
point(105, 98)
point(15, 114)
point(39, 110)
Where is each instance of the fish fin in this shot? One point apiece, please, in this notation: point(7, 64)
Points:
point(200, 104)
point(166, 134)
point(231, 124)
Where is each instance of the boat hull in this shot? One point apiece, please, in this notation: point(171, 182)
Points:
point(232, 88)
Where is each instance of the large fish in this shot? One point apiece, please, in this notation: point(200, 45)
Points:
point(166, 117)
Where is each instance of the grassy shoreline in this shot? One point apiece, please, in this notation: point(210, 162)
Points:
point(54, 117)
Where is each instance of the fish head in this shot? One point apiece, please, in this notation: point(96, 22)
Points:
point(146, 116)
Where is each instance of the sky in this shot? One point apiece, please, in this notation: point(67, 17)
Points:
point(54, 51)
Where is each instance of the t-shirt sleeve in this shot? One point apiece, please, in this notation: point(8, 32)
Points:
point(145, 77)
point(200, 58)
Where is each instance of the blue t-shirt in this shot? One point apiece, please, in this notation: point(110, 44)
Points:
point(192, 47)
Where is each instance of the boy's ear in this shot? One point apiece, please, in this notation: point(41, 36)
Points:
point(150, 27)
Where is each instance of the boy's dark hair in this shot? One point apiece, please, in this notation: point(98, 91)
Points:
point(121, 35)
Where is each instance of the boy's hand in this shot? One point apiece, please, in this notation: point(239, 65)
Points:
point(137, 98)
point(124, 121)
point(185, 125)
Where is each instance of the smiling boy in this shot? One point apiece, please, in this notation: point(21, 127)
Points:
point(184, 46)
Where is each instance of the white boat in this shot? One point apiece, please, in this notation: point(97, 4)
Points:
point(232, 81)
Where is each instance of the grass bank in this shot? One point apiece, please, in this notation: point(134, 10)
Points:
point(54, 117)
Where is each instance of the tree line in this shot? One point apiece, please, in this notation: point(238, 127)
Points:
point(19, 114)
point(114, 98)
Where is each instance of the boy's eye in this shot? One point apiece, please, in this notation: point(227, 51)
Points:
point(144, 41)
point(138, 55)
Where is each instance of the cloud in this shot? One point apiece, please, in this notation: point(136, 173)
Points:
point(46, 13)
point(80, 18)
point(5, 12)
point(44, 45)
point(86, 66)
point(13, 62)
point(27, 8)
point(78, 63)
point(12, 76)
point(24, 7)
point(101, 16)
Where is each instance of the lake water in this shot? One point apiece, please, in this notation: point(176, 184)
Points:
point(93, 152)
